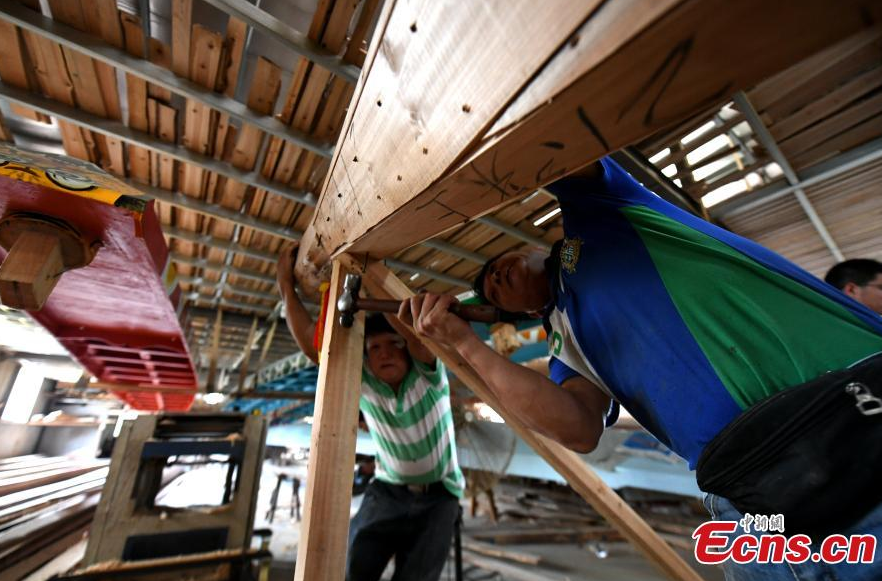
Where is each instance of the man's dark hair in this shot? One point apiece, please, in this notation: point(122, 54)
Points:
point(376, 324)
point(859, 271)
point(478, 284)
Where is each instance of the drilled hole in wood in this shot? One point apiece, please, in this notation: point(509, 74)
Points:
point(413, 27)
point(328, 219)
point(355, 159)
point(466, 108)
point(399, 178)
point(339, 195)
point(425, 151)
point(379, 103)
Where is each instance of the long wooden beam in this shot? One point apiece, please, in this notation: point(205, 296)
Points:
point(462, 110)
point(325, 527)
point(382, 283)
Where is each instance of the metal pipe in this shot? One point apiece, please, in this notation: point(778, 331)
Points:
point(448, 248)
point(219, 266)
point(183, 201)
point(857, 157)
point(96, 48)
point(413, 268)
point(198, 280)
point(766, 139)
point(514, 232)
point(209, 240)
point(120, 131)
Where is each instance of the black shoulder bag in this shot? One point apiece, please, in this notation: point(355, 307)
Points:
point(812, 452)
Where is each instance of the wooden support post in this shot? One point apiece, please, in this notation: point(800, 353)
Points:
point(246, 355)
point(31, 270)
point(215, 351)
point(268, 341)
point(382, 283)
point(324, 532)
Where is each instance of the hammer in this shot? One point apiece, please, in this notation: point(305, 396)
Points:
point(349, 302)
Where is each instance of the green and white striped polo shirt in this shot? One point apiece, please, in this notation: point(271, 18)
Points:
point(413, 431)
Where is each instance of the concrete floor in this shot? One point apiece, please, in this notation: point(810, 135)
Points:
point(560, 561)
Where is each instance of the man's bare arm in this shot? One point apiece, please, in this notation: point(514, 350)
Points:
point(572, 414)
point(300, 322)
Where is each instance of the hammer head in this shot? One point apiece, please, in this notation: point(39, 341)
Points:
point(347, 302)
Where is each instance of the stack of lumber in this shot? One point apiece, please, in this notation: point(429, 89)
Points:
point(532, 514)
point(46, 506)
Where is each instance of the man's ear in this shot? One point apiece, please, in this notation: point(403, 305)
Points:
point(852, 290)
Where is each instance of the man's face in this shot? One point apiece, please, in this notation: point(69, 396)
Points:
point(870, 294)
point(387, 357)
point(517, 282)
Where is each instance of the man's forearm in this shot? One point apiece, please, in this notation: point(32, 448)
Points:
point(540, 403)
point(299, 321)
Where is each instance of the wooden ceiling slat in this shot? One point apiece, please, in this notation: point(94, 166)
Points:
point(837, 99)
point(831, 127)
point(857, 135)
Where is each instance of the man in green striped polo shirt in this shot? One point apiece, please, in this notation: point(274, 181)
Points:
point(410, 508)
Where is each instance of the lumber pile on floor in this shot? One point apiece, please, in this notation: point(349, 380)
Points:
point(46, 506)
point(531, 514)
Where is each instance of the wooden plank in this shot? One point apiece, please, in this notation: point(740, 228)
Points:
point(182, 14)
point(663, 71)
point(356, 50)
point(832, 126)
point(854, 136)
point(799, 77)
point(262, 97)
point(382, 283)
point(491, 551)
point(102, 19)
point(50, 69)
point(26, 482)
point(831, 103)
point(325, 525)
point(136, 87)
point(31, 270)
point(246, 355)
point(535, 535)
point(237, 32)
point(13, 69)
point(215, 352)
point(159, 54)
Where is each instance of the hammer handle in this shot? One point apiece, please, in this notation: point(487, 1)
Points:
point(479, 313)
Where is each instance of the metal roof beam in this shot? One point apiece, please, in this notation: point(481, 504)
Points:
point(439, 276)
point(829, 169)
point(219, 266)
point(225, 245)
point(765, 138)
point(513, 232)
point(120, 131)
point(189, 203)
point(288, 37)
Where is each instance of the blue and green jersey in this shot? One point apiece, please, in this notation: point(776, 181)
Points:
point(684, 323)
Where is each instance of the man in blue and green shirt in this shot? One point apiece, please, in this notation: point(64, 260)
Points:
point(409, 510)
point(683, 323)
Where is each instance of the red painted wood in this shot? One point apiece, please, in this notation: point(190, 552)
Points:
point(114, 315)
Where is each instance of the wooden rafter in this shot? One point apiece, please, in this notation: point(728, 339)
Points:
point(418, 164)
